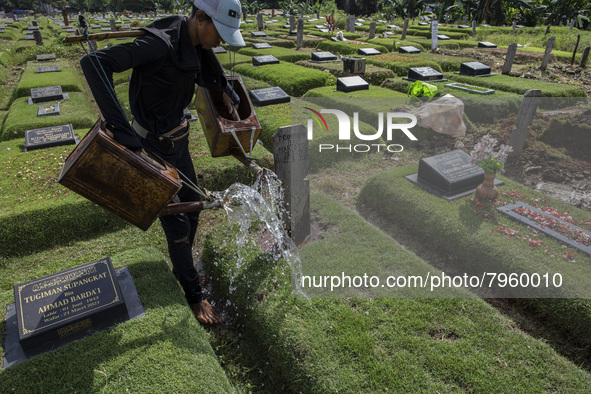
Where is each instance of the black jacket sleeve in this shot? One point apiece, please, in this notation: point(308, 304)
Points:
point(144, 50)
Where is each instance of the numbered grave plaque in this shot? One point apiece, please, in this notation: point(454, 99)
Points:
point(368, 52)
point(46, 57)
point(264, 60)
point(486, 44)
point(449, 175)
point(424, 74)
point(475, 69)
point(269, 96)
point(47, 93)
point(261, 45)
point(47, 137)
point(323, 57)
point(351, 84)
point(408, 49)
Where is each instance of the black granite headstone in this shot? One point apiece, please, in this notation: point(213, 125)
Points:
point(264, 60)
point(46, 137)
point(261, 45)
point(351, 84)
point(50, 109)
point(258, 34)
point(424, 74)
point(354, 65)
point(45, 57)
point(449, 175)
point(486, 44)
point(475, 69)
point(47, 93)
point(269, 96)
point(67, 303)
point(219, 50)
point(368, 52)
point(408, 49)
point(323, 57)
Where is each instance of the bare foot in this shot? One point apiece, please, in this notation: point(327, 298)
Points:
point(205, 314)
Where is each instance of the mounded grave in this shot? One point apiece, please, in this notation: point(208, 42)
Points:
point(449, 175)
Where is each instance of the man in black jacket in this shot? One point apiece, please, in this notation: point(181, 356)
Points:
point(174, 54)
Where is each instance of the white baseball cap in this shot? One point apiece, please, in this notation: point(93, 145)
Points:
point(226, 18)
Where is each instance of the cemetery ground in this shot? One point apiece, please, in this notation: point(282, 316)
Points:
point(273, 342)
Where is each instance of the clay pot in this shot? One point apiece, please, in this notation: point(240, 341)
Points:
point(487, 190)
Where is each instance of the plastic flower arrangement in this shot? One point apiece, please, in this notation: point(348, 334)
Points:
point(485, 156)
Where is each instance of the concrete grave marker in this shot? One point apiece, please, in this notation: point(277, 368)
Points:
point(475, 69)
point(585, 57)
point(434, 29)
point(527, 111)
point(47, 93)
point(486, 44)
point(323, 57)
point(354, 65)
point(368, 52)
point(45, 57)
point(300, 34)
point(261, 45)
point(509, 58)
point(292, 164)
point(404, 28)
point(547, 53)
point(351, 84)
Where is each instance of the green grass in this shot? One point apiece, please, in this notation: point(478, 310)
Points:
point(469, 236)
point(373, 91)
point(115, 360)
point(376, 345)
point(389, 43)
point(294, 80)
point(22, 116)
point(374, 75)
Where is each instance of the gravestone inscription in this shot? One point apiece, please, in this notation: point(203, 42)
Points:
point(47, 137)
point(269, 96)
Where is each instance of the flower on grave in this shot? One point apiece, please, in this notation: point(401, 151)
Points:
point(485, 156)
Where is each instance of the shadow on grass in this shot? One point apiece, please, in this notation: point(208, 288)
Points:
point(41, 229)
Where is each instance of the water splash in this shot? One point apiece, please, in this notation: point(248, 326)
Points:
point(262, 204)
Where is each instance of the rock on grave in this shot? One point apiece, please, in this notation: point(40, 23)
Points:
point(408, 49)
point(449, 175)
point(261, 45)
point(354, 65)
point(47, 93)
point(475, 69)
point(323, 56)
point(368, 52)
point(258, 34)
point(269, 96)
point(219, 49)
point(45, 57)
point(50, 109)
point(48, 69)
point(47, 137)
point(61, 307)
point(351, 84)
point(424, 74)
point(486, 44)
point(264, 60)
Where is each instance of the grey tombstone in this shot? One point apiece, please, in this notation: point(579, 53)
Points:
point(434, 29)
point(443, 37)
point(449, 175)
point(527, 111)
point(352, 23)
point(47, 93)
point(264, 60)
point(323, 57)
point(29, 37)
point(261, 45)
point(219, 49)
point(260, 21)
point(547, 30)
point(372, 30)
point(269, 96)
point(474, 27)
point(351, 84)
point(585, 57)
point(258, 34)
point(44, 57)
point(113, 25)
point(509, 58)
point(513, 28)
point(292, 22)
point(347, 25)
point(572, 25)
point(486, 44)
point(475, 69)
point(368, 52)
point(300, 34)
point(547, 52)
point(408, 49)
point(292, 163)
point(50, 109)
point(354, 65)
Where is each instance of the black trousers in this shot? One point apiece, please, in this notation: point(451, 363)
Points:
point(181, 226)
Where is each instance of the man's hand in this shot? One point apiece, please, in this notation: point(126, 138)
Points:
point(232, 109)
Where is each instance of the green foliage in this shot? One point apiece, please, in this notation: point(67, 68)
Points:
point(420, 89)
point(294, 80)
